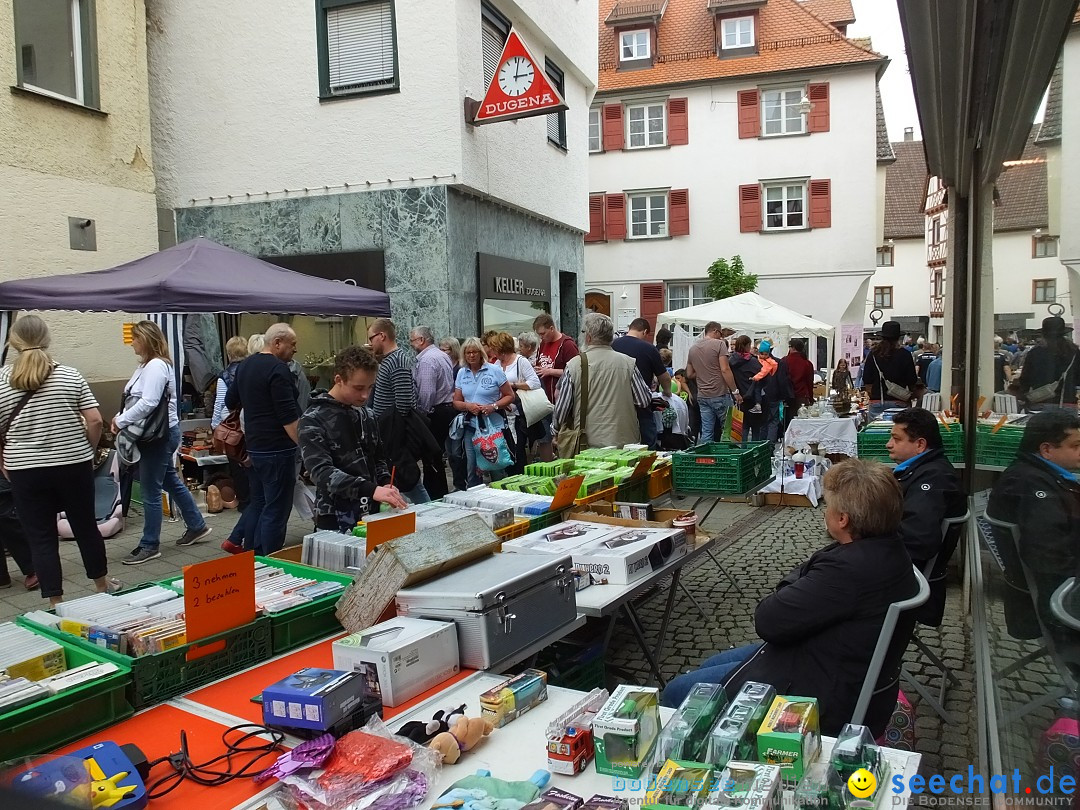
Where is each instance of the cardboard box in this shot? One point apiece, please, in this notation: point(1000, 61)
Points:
point(627, 554)
point(562, 538)
point(604, 512)
point(400, 658)
point(750, 785)
point(313, 698)
point(680, 784)
point(790, 736)
point(625, 730)
point(513, 697)
point(774, 499)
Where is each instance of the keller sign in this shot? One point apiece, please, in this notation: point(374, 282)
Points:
point(515, 286)
point(519, 89)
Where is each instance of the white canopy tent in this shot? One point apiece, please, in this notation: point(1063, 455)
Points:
point(748, 314)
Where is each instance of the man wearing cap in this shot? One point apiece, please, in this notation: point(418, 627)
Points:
point(1051, 370)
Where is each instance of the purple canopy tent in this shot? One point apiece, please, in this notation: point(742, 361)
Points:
point(197, 276)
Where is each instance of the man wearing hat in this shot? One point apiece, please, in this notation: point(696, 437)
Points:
point(889, 373)
point(1051, 370)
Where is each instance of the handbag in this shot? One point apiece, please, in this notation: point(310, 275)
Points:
point(229, 439)
point(572, 440)
point(492, 452)
point(15, 412)
point(1046, 392)
point(897, 392)
point(532, 403)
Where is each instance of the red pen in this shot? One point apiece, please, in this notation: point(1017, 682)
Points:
point(392, 471)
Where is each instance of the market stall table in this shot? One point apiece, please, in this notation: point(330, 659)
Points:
point(809, 486)
point(612, 600)
point(838, 436)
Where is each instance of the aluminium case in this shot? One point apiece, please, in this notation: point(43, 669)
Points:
point(501, 604)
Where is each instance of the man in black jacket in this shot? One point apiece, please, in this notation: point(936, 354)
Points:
point(822, 622)
point(339, 442)
point(1040, 493)
point(931, 493)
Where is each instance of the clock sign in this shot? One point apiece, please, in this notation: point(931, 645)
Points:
point(519, 88)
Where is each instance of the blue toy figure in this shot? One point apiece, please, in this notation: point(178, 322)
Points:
point(97, 776)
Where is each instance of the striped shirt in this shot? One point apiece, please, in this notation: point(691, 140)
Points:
point(49, 430)
point(394, 385)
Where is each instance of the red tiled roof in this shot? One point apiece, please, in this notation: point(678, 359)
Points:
point(905, 192)
point(790, 37)
point(834, 12)
point(1022, 203)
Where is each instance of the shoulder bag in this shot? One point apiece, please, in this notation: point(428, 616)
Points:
point(572, 440)
point(229, 439)
point(897, 392)
point(1047, 392)
point(15, 412)
point(533, 403)
point(492, 453)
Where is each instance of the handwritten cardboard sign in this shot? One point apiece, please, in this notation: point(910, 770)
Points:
point(389, 527)
point(565, 493)
point(219, 595)
point(643, 467)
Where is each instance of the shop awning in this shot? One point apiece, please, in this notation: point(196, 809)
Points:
point(195, 276)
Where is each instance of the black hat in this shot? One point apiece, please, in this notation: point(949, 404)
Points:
point(890, 330)
point(1054, 326)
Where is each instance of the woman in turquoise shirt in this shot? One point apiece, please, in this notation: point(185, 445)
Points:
point(480, 389)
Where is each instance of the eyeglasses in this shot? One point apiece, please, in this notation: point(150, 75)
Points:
point(372, 337)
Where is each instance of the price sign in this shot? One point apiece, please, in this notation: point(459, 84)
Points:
point(566, 492)
point(219, 595)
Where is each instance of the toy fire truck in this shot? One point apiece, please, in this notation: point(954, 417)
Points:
point(570, 738)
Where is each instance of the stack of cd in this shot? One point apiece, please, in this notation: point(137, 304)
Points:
point(27, 655)
point(141, 622)
point(523, 503)
point(334, 552)
point(277, 590)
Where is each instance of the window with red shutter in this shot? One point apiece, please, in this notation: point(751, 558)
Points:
point(679, 204)
point(615, 216)
point(820, 204)
point(818, 119)
point(652, 302)
point(613, 127)
point(749, 114)
point(750, 208)
point(678, 124)
point(596, 218)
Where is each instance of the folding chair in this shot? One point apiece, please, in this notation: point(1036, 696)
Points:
point(884, 670)
point(1063, 604)
point(935, 571)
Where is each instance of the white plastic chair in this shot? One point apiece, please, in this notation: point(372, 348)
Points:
point(1005, 403)
point(888, 650)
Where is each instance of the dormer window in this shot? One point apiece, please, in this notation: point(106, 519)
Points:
point(737, 32)
point(634, 45)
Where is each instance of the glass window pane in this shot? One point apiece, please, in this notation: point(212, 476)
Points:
point(774, 193)
point(45, 37)
point(637, 203)
point(637, 114)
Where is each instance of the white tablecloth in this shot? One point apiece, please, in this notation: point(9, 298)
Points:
point(808, 485)
point(835, 435)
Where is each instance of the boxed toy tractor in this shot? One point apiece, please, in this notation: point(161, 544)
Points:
point(686, 735)
point(734, 735)
point(625, 730)
point(790, 736)
point(750, 785)
point(679, 785)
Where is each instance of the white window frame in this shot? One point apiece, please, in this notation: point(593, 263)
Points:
point(786, 186)
point(646, 134)
point(635, 44)
point(650, 209)
point(595, 119)
point(735, 25)
point(78, 35)
point(784, 103)
point(377, 56)
point(690, 298)
point(880, 304)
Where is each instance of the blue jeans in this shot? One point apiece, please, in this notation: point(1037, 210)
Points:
point(772, 423)
point(455, 455)
point(417, 494)
point(473, 478)
point(157, 471)
point(272, 477)
point(647, 427)
point(715, 669)
point(713, 412)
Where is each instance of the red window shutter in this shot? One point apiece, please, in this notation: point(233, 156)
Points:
point(615, 221)
point(596, 218)
point(613, 127)
point(820, 203)
point(652, 302)
point(749, 114)
point(750, 208)
point(679, 212)
point(677, 124)
point(818, 119)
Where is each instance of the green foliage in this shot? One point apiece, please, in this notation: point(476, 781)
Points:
point(729, 278)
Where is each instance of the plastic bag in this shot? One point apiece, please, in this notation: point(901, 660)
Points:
point(370, 769)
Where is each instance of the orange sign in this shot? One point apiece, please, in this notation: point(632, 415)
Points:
point(566, 493)
point(389, 527)
point(519, 88)
point(219, 595)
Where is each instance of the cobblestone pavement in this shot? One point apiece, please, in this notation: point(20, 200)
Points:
point(757, 546)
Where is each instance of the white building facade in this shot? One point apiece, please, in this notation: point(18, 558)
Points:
point(331, 137)
point(731, 139)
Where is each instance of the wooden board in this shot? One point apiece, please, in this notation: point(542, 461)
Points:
point(409, 560)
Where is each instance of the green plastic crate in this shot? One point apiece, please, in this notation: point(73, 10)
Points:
point(45, 724)
point(160, 676)
point(572, 666)
point(635, 490)
point(296, 626)
point(873, 438)
point(998, 449)
point(545, 520)
point(722, 468)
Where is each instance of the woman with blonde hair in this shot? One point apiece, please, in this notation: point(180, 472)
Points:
point(236, 349)
point(49, 429)
point(150, 399)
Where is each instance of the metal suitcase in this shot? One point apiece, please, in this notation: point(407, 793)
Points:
point(500, 605)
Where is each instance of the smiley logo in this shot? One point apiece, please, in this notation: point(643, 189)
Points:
point(862, 784)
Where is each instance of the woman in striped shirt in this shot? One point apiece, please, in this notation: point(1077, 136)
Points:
point(51, 424)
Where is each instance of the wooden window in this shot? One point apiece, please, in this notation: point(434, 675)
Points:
point(883, 297)
point(677, 122)
point(820, 203)
point(613, 127)
point(885, 256)
point(648, 215)
point(1043, 247)
point(785, 206)
point(56, 47)
point(615, 216)
point(556, 121)
point(679, 201)
point(634, 45)
point(737, 32)
point(817, 120)
point(750, 208)
point(781, 111)
point(645, 125)
point(1043, 291)
point(596, 143)
point(596, 218)
point(749, 114)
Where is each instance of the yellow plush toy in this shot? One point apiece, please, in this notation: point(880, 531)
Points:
point(464, 734)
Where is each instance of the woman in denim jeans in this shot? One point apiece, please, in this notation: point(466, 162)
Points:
point(152, 380)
